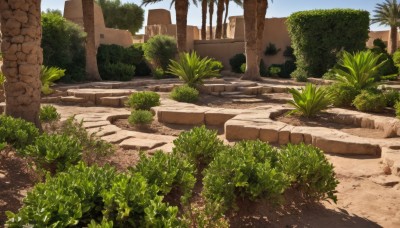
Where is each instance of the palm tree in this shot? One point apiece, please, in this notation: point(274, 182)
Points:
point(92, 72)
point(250, 28)
point(220, 12)
point(262, 6)
point(181, 11)
point(388, 13)
point(204, 19)
point(225, 28)
point(22, 59)
point(211, 12)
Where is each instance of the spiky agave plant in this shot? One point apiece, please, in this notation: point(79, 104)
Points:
point(310, 100)
point(359, 69)
point(48, 75)
point(192, 69)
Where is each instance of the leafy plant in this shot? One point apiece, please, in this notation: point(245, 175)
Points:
point(217, 65)
point(48, 75)
point(199, 145)
point(342, 94)
point(2, 78)
point(309, 171)
point(143, 100)
point(158, 73)
point(329, 75)
point(370, 101)
point(185, 94)
point(168, 172)
point(245, 170)
point(236, 62)
point(397, 108)
point(309, 100)
point(140, 117)
point(391, 96)
point(274, 71)
point(17, 132)
point(263, 68)
point(117, 71)
point(243, 68)
point(160, 49)
point(289, 53)
point(358, 70)
point(54, 153)
point(299, 75)
point(271, 49)
point(192, 69)
point(48, 113)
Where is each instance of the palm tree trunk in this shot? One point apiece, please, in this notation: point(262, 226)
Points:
point(220, 13)
point(250, 28)
point(393, 39)
point(203, 19)
point(181, 9)
point(262, 6)
point(211, 12)
point(225, 33)
point(22, 57)
point(92, 71)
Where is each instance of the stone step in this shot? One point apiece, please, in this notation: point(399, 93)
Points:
point(73, 99)
point(113, 101)
point(251, 90)
point(50, 99)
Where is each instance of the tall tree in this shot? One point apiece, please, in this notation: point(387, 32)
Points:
point(204, 19)
point(250, 28)
point(22, 56)
point(262, 6)
point(388, 13)
point(220, 13)
point(225, 25)
point(92, 71)
point(211, 12)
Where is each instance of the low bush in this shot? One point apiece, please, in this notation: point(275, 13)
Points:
point(263, 68)
point(199, 145)
point(159, 50)
point(117, 71)
point(243, 68)
point(391, 96)
point(169, 172)
point(143, 100)
point(274, 71)
point(17, 132)
point(287, 69)
point(370, 101)
point(48, 113)
point(397, 109)
point(310, 101)
point(246, 170)
point(236, 62)
point(299, 75)
point(158, 73)
point(48, 75)
point(217, 65)
point(185, 94)
point(342, 94)
point(53, 153)
point(329, 75)
point(142, 68)
point(2, 78)
point(140, 118)
point(309, 171)
point(289, 53)
point(192, 69)
point(271, 49)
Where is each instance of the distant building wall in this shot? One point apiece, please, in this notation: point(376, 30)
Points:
point(73, 12)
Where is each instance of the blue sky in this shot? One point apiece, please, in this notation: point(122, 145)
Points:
point(278, 8)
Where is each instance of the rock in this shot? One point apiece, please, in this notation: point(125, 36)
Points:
point(96, 124)
point(241, 130)
point(104, 130)
point(388, 181)
point(140, 144)
point(179, 116)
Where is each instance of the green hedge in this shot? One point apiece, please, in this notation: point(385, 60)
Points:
point(318, 35)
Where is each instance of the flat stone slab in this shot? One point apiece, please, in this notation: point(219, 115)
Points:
point(104, 130)
point(388, 181)
point(140, 144)
point(117, 137)
point(165, 148)
point(188, 117)
point(96, 124)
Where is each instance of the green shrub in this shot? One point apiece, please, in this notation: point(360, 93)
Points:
point(160, 49)
point(342, 94)
point(299, 75)
point(117, 71)
point(63, 44)
point(236, 62)
point(263, 68)
point(48, 113)
point(142, 68)
point(158, 73)
point(143, 100)
point(388, 69)
point(274, 71)
point(329, 75)
point(243, 68)
point(140, 117)
point(185, 94)
point(310, 100)
point(318, 35)
point(192, 69)
point(47, 76)
point(17, 132)
point(379, 44)
point(217, 65)
point(309, 171)
point(54, 153)
point(271, 49)
point(168, 172)
point(2, 78)
point(289, 53)
point(246, 170)
point(70, 198)
point(287, 69)
point(396, 58)
point(199, 145)
point(397, 108)
point(370, 101)
point(391, 96)
point(358, 70)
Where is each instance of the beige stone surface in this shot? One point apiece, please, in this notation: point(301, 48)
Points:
point(73, 99)
point(241, 130)
point(192, 117)
point(104, 130)
point(96, 124)
point(270, 132)
point(284, 135)
point(118, 137)
point(218, 117)
point(140, 144)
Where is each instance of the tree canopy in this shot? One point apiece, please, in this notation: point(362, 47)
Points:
point(122, 16)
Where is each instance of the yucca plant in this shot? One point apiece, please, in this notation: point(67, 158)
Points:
point(310, 100)
point(359, 69)
point(192, 69)
point(48, 75)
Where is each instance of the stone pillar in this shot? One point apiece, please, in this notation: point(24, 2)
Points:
point(22, 57)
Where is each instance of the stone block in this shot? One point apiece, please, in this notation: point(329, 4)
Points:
point(241, 130)
point(284, 135)
point(110, 101)
point(270, 132)
point(189, 117)
point(140, 144)
point(73, 99)
point(95, 124)
point(218, 117)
